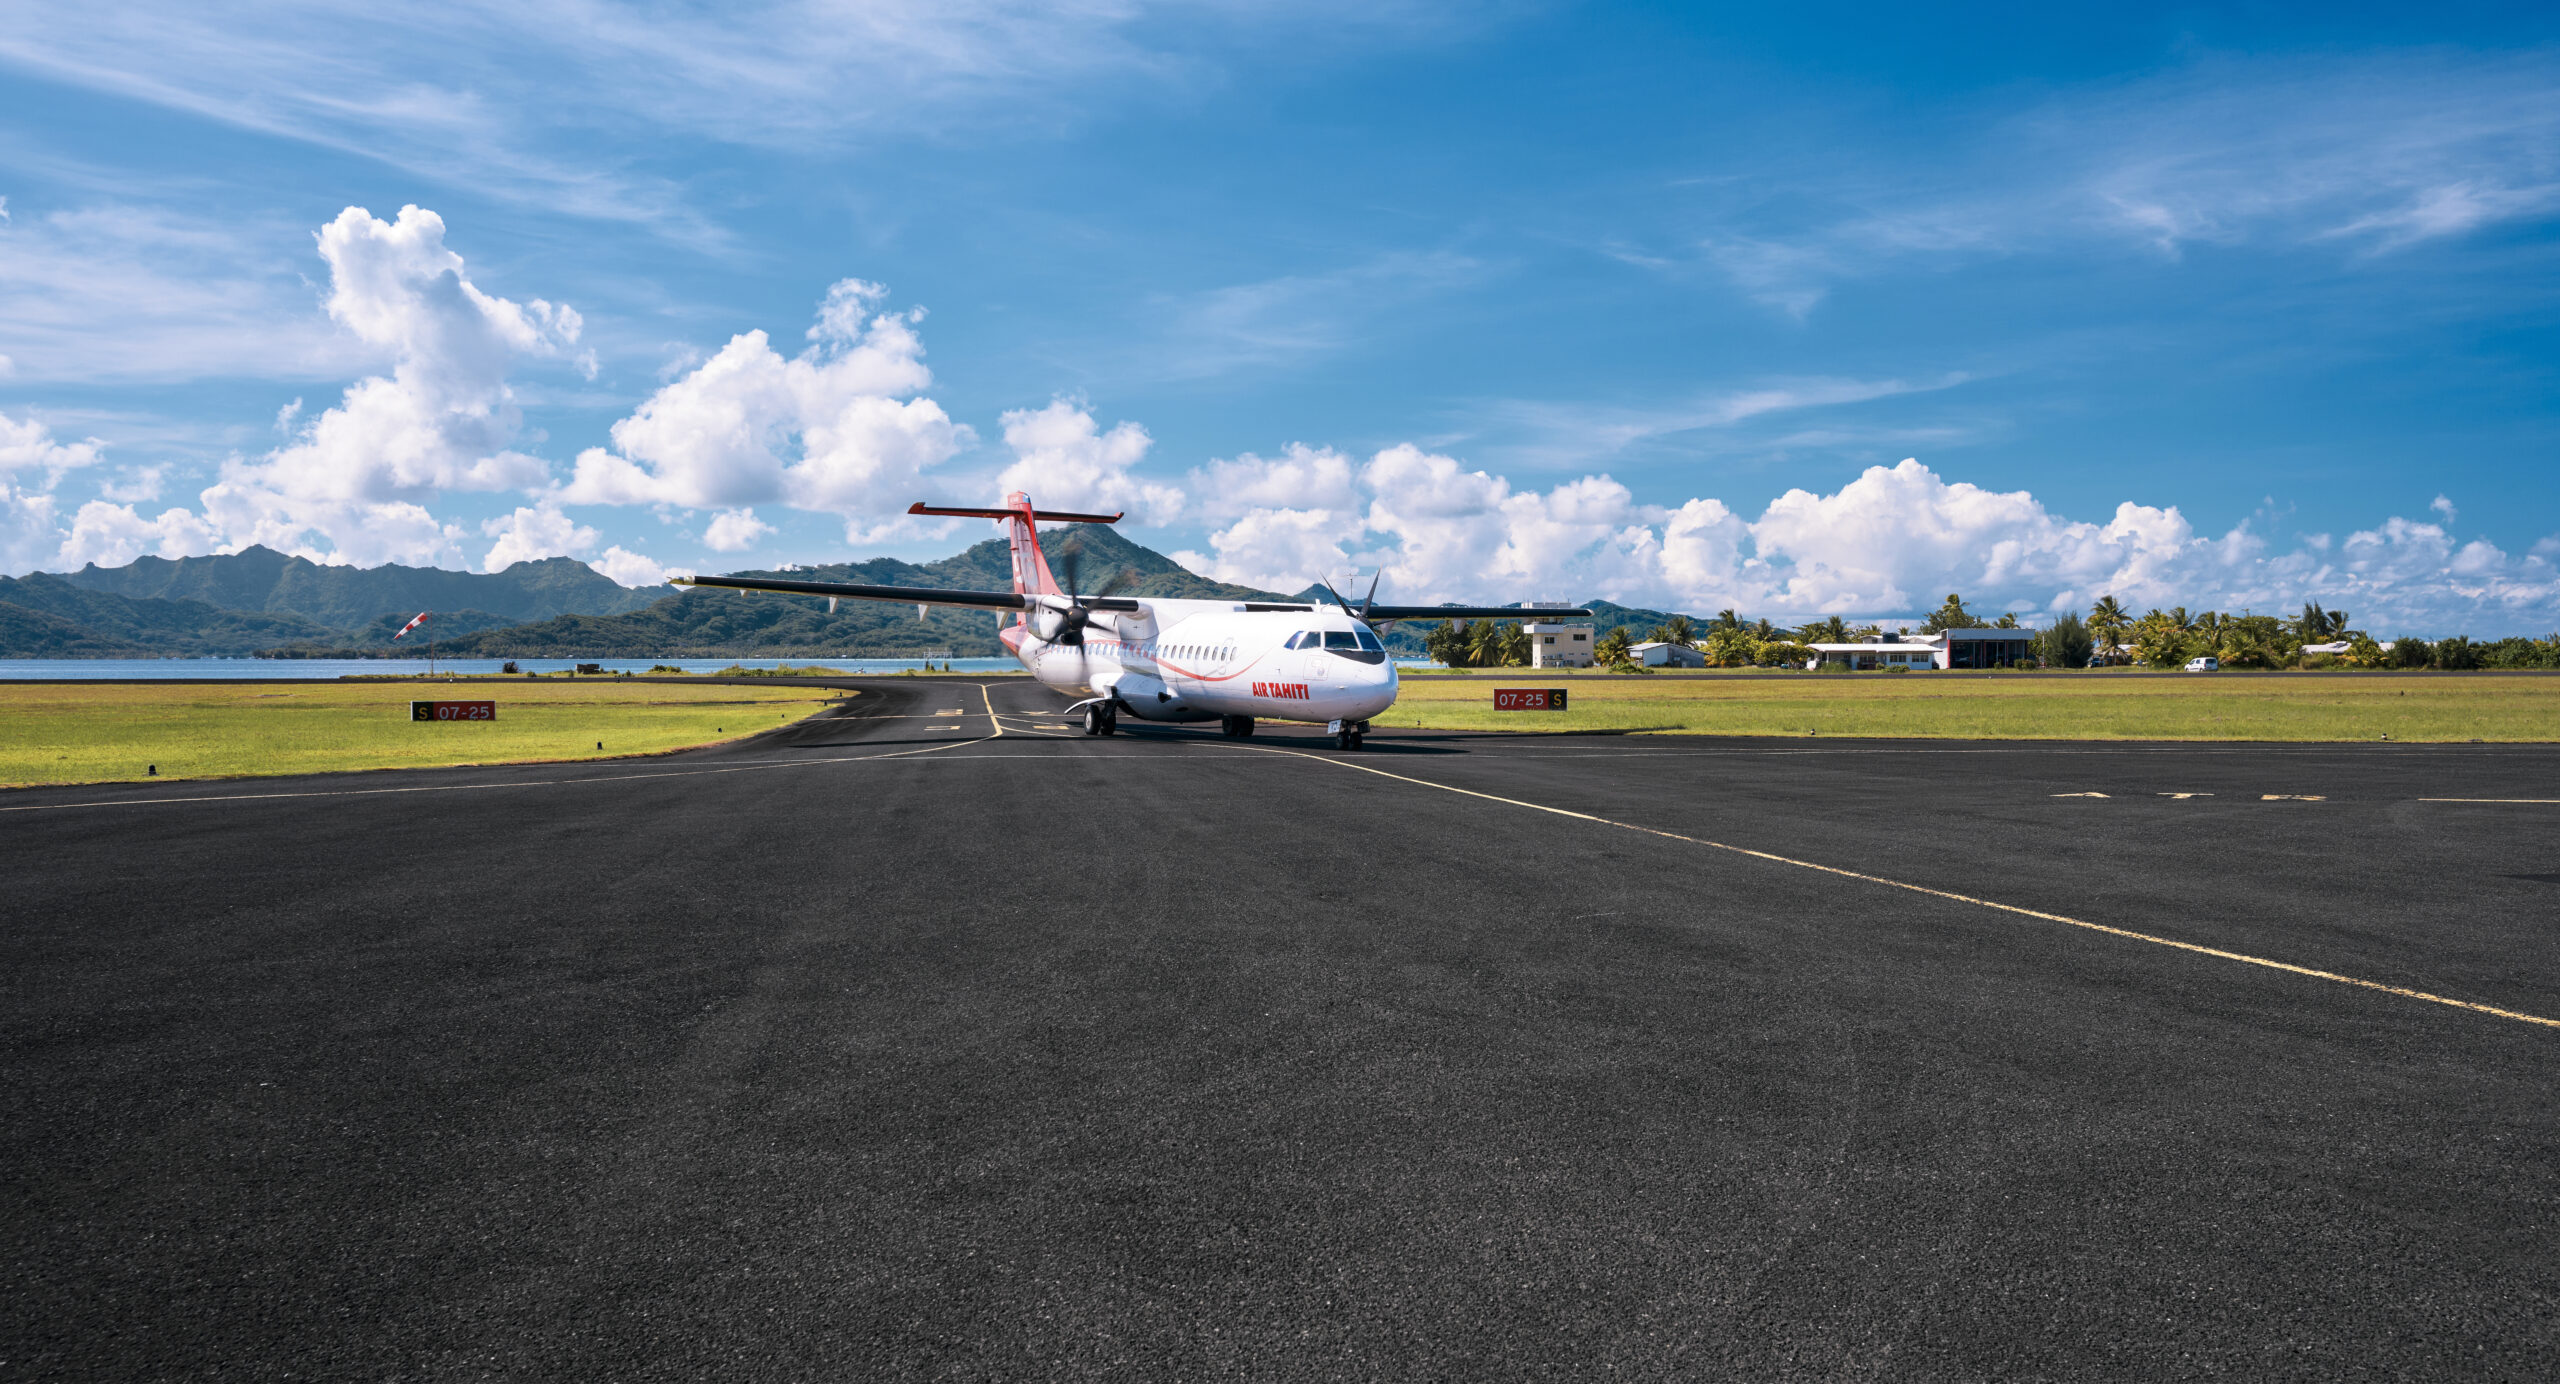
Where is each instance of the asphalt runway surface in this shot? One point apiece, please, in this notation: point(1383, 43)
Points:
point(885, 1046)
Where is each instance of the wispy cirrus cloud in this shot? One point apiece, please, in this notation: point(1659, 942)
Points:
point(118, 292)
point(2371, 155)
point(1546, 434)
point(569, 104)
point(1287, 319)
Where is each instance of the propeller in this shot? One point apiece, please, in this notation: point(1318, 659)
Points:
point(1365, 602)
point(1072, 621)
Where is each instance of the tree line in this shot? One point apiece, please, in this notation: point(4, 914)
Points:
point(2110, 634)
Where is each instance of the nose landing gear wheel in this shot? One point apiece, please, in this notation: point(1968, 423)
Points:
point(1346, 740)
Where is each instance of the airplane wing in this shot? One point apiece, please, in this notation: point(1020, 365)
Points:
point(908, 595)
point(902, 594)
point(1375, 614)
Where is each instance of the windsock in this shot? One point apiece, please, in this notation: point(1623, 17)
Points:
point(420, 619)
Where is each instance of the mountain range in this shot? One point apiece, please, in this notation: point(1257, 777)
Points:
point(259, 601)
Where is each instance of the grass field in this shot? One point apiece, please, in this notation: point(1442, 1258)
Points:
point(90, 733)
point(2096, 706)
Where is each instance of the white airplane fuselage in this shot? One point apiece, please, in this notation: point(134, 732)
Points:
point(1190, 660)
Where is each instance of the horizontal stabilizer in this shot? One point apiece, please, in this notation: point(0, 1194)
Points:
point(1054, 516)
point(910, 595)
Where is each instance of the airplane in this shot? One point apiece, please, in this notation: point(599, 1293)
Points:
point(1161, 659)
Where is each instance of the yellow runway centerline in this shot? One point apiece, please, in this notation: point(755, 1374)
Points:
point(2126, 933)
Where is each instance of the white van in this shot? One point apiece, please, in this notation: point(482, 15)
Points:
point(2206, 664)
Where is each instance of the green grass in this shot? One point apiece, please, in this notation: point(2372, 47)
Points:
point(2094, 706)
point(89, 734)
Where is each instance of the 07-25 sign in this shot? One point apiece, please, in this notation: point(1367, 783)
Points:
point(1528, 699)
point(453, 711)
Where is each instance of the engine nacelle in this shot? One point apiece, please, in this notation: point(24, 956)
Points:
point(1047, 624)
point(1146, 697)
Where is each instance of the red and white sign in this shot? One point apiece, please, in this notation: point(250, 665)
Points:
point(1528, 699)
point(1284, 691)
point(453, 711)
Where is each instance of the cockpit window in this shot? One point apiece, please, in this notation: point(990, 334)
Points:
point(1359, 646)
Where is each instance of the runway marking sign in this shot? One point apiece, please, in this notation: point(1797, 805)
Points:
point(1528, 698)
point(453, 711)
point(2293, 797)
point(2182, 795)
point(2079, 795)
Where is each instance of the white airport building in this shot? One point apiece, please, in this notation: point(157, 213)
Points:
point(1965, 648)
point(1555, 645)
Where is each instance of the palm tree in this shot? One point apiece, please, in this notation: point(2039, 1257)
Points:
point(1830, 630)
point(2108, 619)
point(1677, 630)
point(2178, 617)
point(1727, 620)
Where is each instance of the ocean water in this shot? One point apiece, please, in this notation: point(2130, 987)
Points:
point(144, 669)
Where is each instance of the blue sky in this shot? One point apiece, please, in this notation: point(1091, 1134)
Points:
point(1804, 309)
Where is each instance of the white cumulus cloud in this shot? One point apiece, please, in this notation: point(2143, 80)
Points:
point(1893, 541)
point(829, 430)
point(533, 532)
point(1063, 459)
point(630, 568)
point(27, 445)
point(361, 474)
point(734, 531)
point(112, 535)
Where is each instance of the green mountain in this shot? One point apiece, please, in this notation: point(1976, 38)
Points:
point(262, 601)
point(28, 633)
point(114, 626)
point(352, 598)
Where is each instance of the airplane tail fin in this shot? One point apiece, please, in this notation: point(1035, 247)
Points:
point(1031, 576)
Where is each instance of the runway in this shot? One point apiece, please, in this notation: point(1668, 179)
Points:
point(934, 1040)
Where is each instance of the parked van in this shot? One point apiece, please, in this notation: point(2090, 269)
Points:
point(2206, 664)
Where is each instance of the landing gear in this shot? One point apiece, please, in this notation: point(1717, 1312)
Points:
point(1347, 737)
point(1236, 727)
point(1101, 719)
point(1093, 720)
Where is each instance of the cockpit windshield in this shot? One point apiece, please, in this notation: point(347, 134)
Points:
point(1360, 646)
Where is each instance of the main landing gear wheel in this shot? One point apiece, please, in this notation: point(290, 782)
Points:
point(1235, 727)
point(1095, 722)
point(1110, 721)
